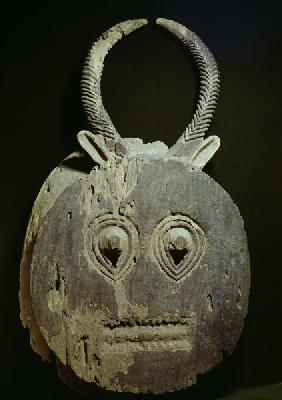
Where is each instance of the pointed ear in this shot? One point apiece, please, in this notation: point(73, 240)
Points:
point(94, 145)
point(204, 152)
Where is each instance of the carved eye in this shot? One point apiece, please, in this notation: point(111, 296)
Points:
point(113, 241)
point(112, 244)
point(178, 243)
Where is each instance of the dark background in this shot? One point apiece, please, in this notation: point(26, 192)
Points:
point(149, 88)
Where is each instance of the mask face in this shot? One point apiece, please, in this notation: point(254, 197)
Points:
point(138, 268)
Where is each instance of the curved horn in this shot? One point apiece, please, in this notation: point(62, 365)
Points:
point(91, 77)
point(209, 82)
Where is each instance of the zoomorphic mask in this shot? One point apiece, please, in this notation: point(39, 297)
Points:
point(135, 264)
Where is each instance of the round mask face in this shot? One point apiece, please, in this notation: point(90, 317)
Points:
point(140, 270)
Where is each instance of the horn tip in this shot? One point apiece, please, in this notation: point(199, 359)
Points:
point(160, 21)
point(164, 22)
point(171, 25)
point(130, 25)
point(143, 21)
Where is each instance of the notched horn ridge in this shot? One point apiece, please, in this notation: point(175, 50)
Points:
point(97, 116)
point(209, 79)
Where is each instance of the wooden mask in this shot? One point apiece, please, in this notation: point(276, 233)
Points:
point(135, 268)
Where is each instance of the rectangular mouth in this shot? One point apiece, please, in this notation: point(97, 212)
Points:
point(148, 334)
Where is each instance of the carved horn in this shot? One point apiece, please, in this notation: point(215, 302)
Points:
point(209, 84)
point(97, 116)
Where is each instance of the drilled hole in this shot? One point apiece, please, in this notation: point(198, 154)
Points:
point(177, 255)
point(210, 302)
point(84, 340)
point(58, 279)
point(57, 284)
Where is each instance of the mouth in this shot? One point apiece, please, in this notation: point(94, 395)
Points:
point(148, 334)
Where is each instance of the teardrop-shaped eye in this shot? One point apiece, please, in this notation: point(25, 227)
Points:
point(178, 243)
point(113, 241)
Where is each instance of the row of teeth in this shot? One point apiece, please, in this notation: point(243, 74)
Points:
point(146, 322)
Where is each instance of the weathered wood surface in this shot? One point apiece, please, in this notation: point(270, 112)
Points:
point(135, 269)
point(126, 325)
point(71, 170)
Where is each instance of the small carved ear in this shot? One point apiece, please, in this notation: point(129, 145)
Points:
point(94, 145)
point(204, 152)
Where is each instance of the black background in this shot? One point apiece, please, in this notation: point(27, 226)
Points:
point(149, 88)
